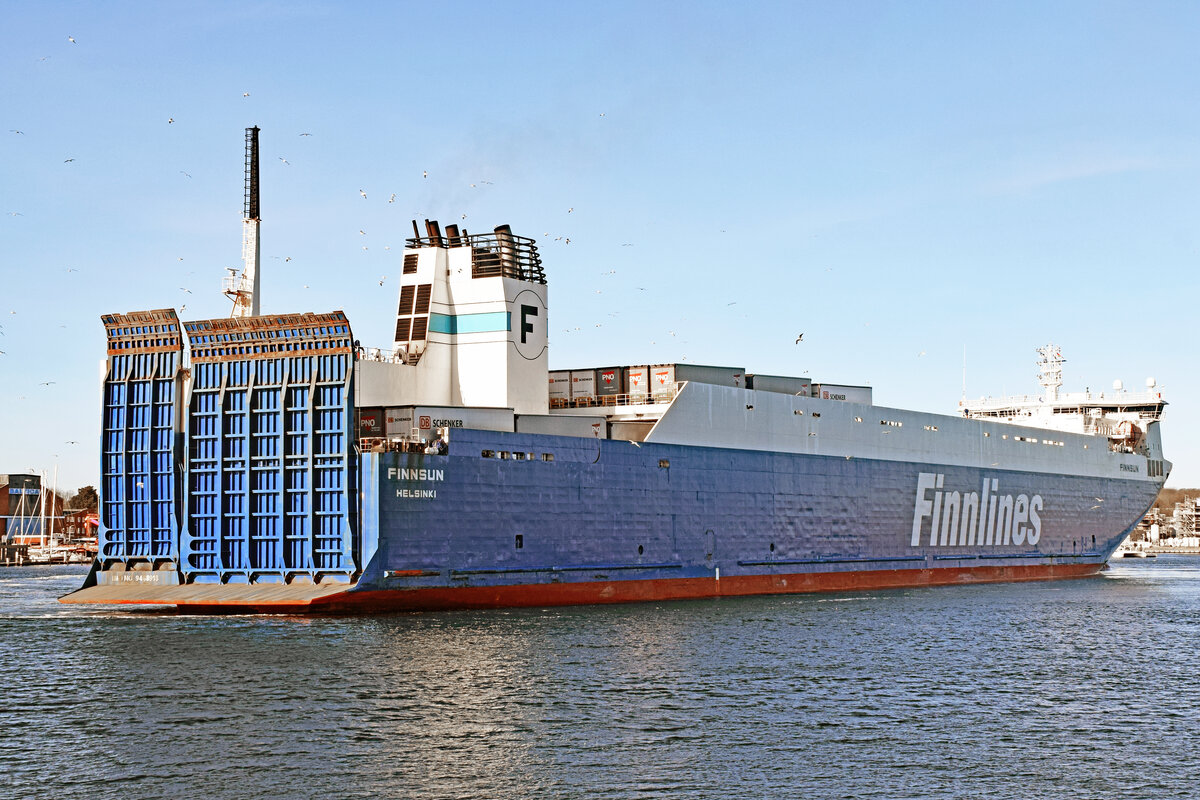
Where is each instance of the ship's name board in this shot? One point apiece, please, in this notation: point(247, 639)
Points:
point(1129, 468)
point(954, 518)
point(416, 474)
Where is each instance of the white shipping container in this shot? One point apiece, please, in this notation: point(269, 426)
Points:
point(662, 380)
point(849, 394)
point(560, 385)
point(637, 383)
point(427, 419)
point(583, 384)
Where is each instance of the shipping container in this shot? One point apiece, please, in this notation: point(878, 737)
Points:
point(560, 389)
point(371, 423)
point(780, 383)
point(717, 376)
point(426, 420)
point(637, 383)
point(610, 381)
point(560, 385)
point(849, 394)
point(662, 381)
point(583, 387)
point(561, 425)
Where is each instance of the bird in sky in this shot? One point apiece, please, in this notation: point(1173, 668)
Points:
point(364, 194)
point(424, 173)
point(71, 39)
point(15, 214)
point(362, 232)
point(71, 443)
point(392, 199)
point(245, 94)
point(182, 289)
point(184, 174)
point(47, 383)
point(306, 134)
point(464, 216)
point(382, 279)
point(799, 338)
point(14, 130)
point(72, 269)
point(569, 210)
point(287, 258)
point(170, 120)
point(284, 160)
point(68, 161)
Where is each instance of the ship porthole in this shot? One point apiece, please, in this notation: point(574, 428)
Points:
point(640, 550)
point(772, 547)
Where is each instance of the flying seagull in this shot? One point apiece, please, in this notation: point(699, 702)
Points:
point(71, 39)
point(364, 194)
point(392, 199)
point(799, 338)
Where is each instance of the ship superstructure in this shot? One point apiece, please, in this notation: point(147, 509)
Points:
point(268, 463)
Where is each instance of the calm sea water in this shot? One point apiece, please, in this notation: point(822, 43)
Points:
point(1075, 689)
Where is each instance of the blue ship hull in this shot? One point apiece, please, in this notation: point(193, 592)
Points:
point(609, 521)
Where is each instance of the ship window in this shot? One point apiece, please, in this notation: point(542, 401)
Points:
point(816, 413)
point(488, 454)
point(518, 456)
point(858, 419)
point(1004, 436)
point(664, 463)
point(519, 542)
point(799, 412)
point(931, 427)
point(986, 434)
point(547, 456)
point(504, 455)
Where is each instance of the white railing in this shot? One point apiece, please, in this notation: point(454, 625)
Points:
point(1111, 398)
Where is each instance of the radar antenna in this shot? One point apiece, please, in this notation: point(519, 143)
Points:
point(244, 290)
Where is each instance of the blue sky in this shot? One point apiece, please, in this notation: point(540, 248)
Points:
point(902, 182)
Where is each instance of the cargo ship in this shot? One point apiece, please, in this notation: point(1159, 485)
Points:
point(269, 463)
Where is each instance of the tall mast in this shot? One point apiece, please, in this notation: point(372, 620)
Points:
point(245, 292)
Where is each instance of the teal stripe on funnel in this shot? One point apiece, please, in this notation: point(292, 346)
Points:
point(470, 323)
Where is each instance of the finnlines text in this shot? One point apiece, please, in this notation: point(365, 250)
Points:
point(967, 518)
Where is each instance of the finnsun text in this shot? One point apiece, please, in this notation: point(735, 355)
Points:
point(985, 517)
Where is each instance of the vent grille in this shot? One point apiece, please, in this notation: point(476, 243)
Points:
point(423, 293)
point(418, 329)
point(410, 263)
point(406, 300)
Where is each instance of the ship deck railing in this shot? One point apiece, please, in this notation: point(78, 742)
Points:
point(663, 396)
point(1067, 402)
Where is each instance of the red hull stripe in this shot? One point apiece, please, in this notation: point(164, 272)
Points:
point(596, 592)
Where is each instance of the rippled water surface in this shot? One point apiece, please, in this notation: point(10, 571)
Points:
point(1069, 689)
